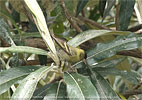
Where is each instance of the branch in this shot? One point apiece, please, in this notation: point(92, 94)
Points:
point(133, 53)
point(135, 28)
point(69, 17)
point(132, 92)
point(84, 19)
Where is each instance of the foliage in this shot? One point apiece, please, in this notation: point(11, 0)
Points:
point(109, 31)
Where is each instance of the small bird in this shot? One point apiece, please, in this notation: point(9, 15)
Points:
point(66, 52)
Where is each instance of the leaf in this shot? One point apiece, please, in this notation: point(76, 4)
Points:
point(5, 96)
point(132, 76)
point(6, 15)
point(104, 50)
point(90, 34)
point(4, 31)
point(28, 85)
point(110, 4)
point(102, 4)
point(139, 2)
point(80, 87)
point(49, 92)
point(103, 88)
point(81, 4)
point(126, 10)
point(23, 49)
point(104, 64)
point(12, 75)
point(109, 63)
point(56, 91)
point(41, 23)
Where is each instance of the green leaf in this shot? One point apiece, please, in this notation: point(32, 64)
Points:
point(28, 35)
point(109, 63)
point(104, 50)
point(103, 64)
point(102, 4)
point(110, 4)
point(28, 85)
point(132, 76)
point(50, 91)
point(103, 88)
point(81, 4)
point(90, 34)
point(126, 10)
point(56, 91)
point(4, 31)
point(5, 96)
point(9, 17)
point(23, 49)
point(80, 87)
point(12, 75)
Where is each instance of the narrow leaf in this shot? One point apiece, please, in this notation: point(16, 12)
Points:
point(28, 85)
point(104, 64)
point(56, 91)
point(102, 4)
point(104, 50)
point(80, 87)
point(23, 49)
point(103, 88)
point(110, 4)
point(132, 76)
point(4, 31)
point(12, 75)
point(109, 63)
point(41, 23)
point(81, 4)
point(90, 34)
point(126, 10)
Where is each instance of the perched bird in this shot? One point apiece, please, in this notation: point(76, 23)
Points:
point(66, 52)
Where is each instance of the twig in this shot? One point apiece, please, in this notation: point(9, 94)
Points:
point(135, 28)
point(117, 20)
point(93, 23)
point(132, 92)
point(69, 17)
point(133, 53)
point(138, 85)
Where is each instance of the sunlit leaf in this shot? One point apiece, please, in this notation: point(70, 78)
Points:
point(27, 87)
point(90, 34)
